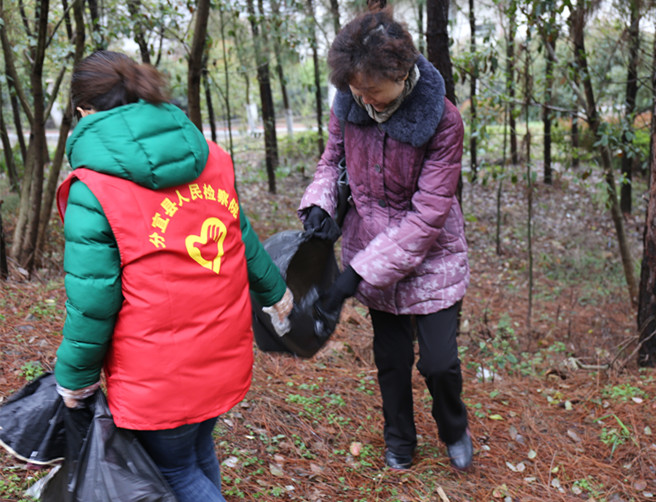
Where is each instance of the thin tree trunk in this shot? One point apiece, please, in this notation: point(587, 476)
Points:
point(195, 71)
point(317, 77)
point(266, 99)
point(33, 184)
point(629, 107)
point(208, 98)
point(529, 180)
point(550, 41)
point(473, 126)
point(510, 79)
point(4, 269)
point(575, 141)
point(64, 129)
point(227, 80)
point(134, 6)
point(593, 120)
point(277, 47)
point(12, 172)
point(437, 43)
point(96, 28)
point(334, 12)
point(646, 318)
point(421, 7)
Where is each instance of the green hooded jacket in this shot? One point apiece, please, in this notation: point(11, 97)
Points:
point(155, 146)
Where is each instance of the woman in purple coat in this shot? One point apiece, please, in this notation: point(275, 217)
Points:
point(403, 245)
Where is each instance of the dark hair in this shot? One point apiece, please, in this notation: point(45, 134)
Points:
point(373, 44)
point(106, 79)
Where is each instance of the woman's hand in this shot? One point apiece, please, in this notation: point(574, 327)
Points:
point(321, 225)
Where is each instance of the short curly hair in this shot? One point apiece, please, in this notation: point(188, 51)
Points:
point(373, 44)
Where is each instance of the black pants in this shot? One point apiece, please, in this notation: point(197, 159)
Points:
point(438, 364)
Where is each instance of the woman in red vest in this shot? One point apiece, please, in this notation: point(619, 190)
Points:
point(159, 259)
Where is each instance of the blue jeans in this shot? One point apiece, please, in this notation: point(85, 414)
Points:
point(186, 458)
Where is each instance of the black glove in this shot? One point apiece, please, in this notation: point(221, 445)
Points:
point(328, 307)
point(321, 225)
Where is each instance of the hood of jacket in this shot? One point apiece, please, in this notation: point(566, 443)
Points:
point(417, 118)
point(155, 146)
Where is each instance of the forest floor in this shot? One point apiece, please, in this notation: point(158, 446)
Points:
point(558, 409)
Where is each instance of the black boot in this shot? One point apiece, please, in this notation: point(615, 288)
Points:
point(461, 452)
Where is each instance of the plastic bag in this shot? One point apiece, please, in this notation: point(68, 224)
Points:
point(32, 422)
point(103, 462)
point(308, 266)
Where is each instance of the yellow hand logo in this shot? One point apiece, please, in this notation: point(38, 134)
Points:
point(212, 229)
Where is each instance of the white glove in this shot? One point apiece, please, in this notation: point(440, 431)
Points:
point(75, 398)
point(279, 313)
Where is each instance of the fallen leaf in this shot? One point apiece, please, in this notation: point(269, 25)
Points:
point(495, 417)
point(355, 448)
point(276, 470)
point(500, 491)
point(641, 484)
point(573, 436)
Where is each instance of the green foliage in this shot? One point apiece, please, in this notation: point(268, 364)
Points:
point(31, 370)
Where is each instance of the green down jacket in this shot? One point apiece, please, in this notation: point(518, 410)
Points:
point(156, 146)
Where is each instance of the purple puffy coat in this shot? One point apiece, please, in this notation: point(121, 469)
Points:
point(404, 233)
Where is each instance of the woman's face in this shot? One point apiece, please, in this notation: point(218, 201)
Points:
point(375, 92)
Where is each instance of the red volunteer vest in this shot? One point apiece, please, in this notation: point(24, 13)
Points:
point(182, 345)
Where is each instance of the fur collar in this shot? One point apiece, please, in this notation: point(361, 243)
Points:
point(418, 116)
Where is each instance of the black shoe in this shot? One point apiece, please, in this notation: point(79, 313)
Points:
point(397, 462)
point(461, 452)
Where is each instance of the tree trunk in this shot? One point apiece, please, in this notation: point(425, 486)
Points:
point(317, 77)
point(25, 236)
point(647, 297)
point(4, 269)
point(195, 71)
point(473, 75)
point(334, 12)
point(629, 107)
point(593, 120)
point(550, 42)
point(64, 129)
point(437, 43)
point(529, 179)
point(266, 99)
point(134, 6)
point(575, 141)
point(226, 94)
point(277, 47)
point(12, 172)
point(510, 79)
point(96, 28)
point(421, 47)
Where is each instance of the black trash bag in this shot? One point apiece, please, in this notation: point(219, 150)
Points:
point(32, 422)
point(308, 266)
point(103, 462)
